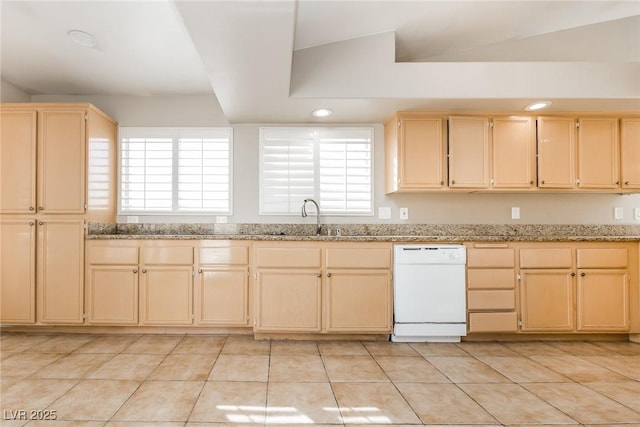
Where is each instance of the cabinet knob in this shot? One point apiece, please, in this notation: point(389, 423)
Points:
point(144, 270)
point(617, 182)
point(200, 271)
point(626, 183)
point(542, 182)
point(40, 223)
point(453, 182)
point(441, 182)
point(31, 208)
point(583, 274)
point(319, 274)
point(135, 270)
point(32, 223)
point(40, 208)
point(531, 182)
point(573, 274)
point(328, 274)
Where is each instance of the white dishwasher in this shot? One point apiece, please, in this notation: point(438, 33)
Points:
point(430, 303)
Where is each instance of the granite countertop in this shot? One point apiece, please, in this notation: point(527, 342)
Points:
point(368, 232)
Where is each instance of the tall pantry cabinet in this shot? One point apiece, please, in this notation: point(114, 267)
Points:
point(57, 171)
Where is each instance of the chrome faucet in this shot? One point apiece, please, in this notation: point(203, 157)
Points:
point(304, 212)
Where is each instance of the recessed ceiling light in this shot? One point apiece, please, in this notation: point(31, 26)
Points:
point(322, 112)
point(539, 105)
point(82, 38)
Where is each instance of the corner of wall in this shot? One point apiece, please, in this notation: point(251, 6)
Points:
point(11, 93)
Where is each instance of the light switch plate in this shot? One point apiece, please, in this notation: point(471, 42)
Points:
point(618, 213)
point(384, 212)
point(636, 214)
point(404, 213)
point(515, 213)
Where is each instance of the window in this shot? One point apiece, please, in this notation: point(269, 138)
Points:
point(333, 166)
point(175, 171)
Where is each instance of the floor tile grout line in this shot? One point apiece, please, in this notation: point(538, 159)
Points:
point(333, 392)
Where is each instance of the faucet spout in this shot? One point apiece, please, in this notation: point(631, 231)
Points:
point(304, 213)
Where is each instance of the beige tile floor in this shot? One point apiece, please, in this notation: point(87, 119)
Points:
point(198, 381)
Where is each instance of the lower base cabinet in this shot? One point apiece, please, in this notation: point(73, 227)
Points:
point(223, 296)
point(112, 295)
point(602, 300)
point(167, 295)
point(323, 288)
point(547, 300)
point(18, 271)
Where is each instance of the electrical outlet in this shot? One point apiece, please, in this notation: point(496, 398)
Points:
point(404, 213)
point(618, 213)
point(636, 214)
point(515, 213)
point(384, 213)
point(222, 220)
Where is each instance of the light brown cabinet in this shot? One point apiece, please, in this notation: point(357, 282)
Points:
point(60, 271)
point(578, 153)
point(630, 153)
point(491, 287)
point(492, 152)
point(222, 291)
point(547, 300)
point(319, 288)
point(166, 284)
point(47, 160)
point(415, 152)
point(18, 271)
point(112, 283)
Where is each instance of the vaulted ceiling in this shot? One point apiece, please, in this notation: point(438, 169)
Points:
point(275, 61)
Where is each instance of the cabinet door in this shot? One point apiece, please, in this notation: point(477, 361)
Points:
point(167, 295)
point(288, 301)
point(18, 271)
point(61, 161)
point(630, 152)
point(603, 300)
point(223, 296)
point(421, 154)
point(598, 153)
point(18, 161)
point(556, 152)
point(468, 152)
point(513, 152)
point(61, 271)
point(112, 295)
point(358, 301)
point(547, 300)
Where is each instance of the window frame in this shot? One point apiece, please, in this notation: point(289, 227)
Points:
point(316, 169)
point(175, 134)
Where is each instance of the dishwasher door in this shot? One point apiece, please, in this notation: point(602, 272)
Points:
point(430, 293)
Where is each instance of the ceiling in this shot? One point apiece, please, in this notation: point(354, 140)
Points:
point(275, 61)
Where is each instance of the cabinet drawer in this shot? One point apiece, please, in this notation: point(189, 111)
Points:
point(229, 255)
point(491, 278)
point(491, 300)
point(545, 258)
point(167, 255)
point(359, 258)
point(114, 255)
point(491, 257)
point(603, 258)
point(493, 322)
point(288, 257)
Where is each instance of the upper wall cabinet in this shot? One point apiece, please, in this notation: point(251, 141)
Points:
point(415, 152)
point(57, 159)
point(630, 153)
point(492, 153)
point(578, 153)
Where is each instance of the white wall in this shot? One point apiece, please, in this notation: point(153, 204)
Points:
point(12, 93)
point(430, 208)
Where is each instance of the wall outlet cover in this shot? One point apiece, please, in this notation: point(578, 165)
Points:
point(222, 220)
point(515, 213)
point(404, 213)
point(618, 213)
point(636, 214)
point(384, 212)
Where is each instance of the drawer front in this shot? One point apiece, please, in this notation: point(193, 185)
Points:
point(491, 278)
point(167, 255)
point(603, 258)
point(493, 322)
point(288, 257)
point(491, 257)
point(114, 255)
point(491, 300)
point(545, 258)
point(358, 258)
point(230, 255)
